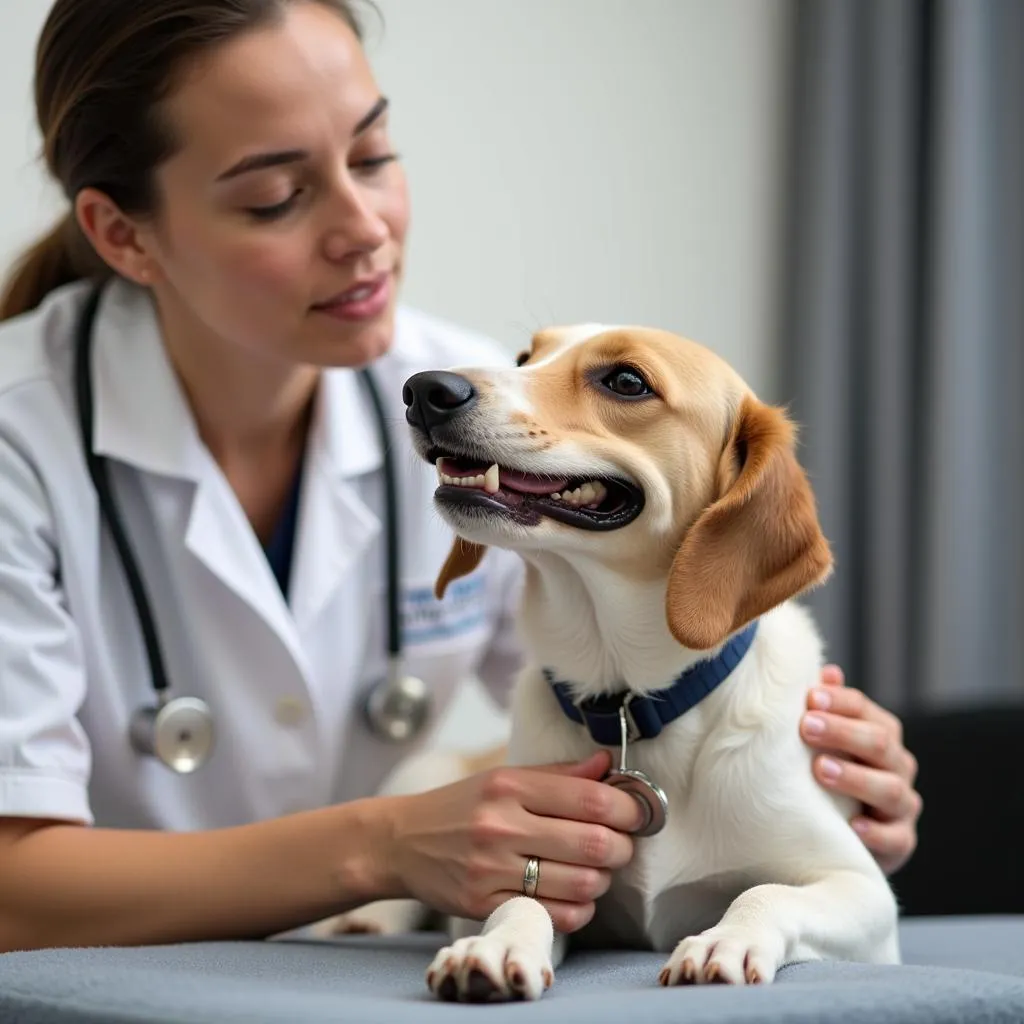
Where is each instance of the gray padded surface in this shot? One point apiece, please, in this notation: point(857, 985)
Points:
point(956, 970)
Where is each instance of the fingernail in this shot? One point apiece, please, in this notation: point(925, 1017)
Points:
point(860, 826)
point(814, 724)
point(830, 768)
point(821, 699)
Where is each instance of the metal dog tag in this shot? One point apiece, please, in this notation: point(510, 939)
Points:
point(639, 785)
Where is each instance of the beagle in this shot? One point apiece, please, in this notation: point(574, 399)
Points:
point(666, 527)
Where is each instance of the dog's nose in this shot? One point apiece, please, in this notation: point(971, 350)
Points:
point(434, 397)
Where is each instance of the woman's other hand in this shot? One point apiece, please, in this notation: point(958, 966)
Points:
point(862, 755)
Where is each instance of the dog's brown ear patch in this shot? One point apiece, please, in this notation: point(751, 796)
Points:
point(464, 557)
point(757, 545)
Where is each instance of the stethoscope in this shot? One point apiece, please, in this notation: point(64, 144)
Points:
point(179, 731)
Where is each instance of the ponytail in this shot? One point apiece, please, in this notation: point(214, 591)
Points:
point(63, 255)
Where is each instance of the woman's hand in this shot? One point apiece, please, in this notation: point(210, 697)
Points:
point(863, 756)
point(463, 848)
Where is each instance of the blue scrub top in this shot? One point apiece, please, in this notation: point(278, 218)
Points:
point(282, 543)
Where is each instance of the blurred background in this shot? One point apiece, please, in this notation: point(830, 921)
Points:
point(828, 193)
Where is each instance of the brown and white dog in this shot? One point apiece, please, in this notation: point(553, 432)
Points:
point(661, 513)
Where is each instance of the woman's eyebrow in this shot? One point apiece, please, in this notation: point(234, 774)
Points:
point(374, 113)
point(261, 161)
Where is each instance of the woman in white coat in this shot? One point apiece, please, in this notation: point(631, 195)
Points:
point(232, 181)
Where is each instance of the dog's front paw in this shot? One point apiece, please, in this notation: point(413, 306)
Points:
point(489, 968)
point(728, 955)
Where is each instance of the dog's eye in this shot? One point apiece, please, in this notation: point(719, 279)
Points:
point(627, 382)
point(522, 357)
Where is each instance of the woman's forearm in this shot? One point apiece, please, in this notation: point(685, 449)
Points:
point(67, 885)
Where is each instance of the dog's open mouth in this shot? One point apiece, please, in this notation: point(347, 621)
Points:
point(606, 503)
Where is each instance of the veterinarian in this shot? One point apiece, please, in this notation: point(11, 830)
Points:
point(202, 561)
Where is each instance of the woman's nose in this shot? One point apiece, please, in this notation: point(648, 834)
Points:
point(356, 227)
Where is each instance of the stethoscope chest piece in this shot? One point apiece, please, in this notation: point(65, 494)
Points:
point(647, 793)
point(639, 785)
point(178, 732)
point(398, 710)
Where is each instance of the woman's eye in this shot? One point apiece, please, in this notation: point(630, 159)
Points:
point(265, 213)
point(628, 383)
point(372, 163)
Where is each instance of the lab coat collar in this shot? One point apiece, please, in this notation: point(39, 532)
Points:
point(141, 413)
point(142, 416)
point(143, 419)
point(344, 434)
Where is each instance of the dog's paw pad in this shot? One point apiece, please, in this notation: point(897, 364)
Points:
point(724, 956)
point(480, 988)
point(447, 990)
point(487, 968)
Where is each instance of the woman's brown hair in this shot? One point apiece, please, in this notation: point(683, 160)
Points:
point(103, 67)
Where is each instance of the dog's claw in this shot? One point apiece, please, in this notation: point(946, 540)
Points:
point(727, 955)
point(485, 968)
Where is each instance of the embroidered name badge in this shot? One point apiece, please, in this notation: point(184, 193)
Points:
point(426, 620)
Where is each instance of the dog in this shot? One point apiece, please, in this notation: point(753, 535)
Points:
point(667, 529)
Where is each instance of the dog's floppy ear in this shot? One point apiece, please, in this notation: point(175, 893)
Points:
point(758, 544)
point(463, 558)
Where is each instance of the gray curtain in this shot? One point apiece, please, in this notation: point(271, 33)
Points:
point(903, 337)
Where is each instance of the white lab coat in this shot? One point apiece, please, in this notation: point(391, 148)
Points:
point(285, 683)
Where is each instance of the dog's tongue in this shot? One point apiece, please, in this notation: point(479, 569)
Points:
point(526, 484)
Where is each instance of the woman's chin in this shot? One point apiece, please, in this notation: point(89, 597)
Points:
point(357, 345)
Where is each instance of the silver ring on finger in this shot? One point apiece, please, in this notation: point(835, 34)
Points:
point(531, 877)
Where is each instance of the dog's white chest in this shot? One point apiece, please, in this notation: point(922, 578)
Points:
point(670, 889)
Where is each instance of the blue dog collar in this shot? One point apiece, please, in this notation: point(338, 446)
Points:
point(651, 712)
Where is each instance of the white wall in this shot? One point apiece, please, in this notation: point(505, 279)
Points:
point(606, 160)
point(612, 160)
point(28, 201)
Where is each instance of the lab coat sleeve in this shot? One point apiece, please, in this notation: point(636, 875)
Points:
point(45, 757)
point(503, 657)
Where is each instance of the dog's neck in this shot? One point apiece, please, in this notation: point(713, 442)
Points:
point(597, 630)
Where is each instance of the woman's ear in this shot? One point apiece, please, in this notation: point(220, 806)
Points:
point(464, 557)
point(757, 545)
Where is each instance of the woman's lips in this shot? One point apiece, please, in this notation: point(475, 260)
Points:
point(361, 302)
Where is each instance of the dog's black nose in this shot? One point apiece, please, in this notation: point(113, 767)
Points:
point(434, 397)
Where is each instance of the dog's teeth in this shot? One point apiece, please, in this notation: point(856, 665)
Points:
point(490, 484)
point(600, 492)
point(445, 479)
point(478, 481)
point(556, 496)
point(587, 494)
